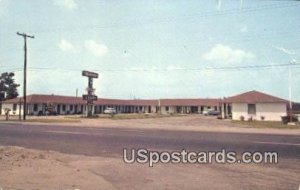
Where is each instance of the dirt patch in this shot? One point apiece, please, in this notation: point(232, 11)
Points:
point(31, 169)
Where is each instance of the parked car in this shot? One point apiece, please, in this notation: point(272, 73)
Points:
point(211, 112)
point(205, 112)
point(110, 111)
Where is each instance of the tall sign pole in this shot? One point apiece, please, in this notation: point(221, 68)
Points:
point(25, 36)
point(90, 97)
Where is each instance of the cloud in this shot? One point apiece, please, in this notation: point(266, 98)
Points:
point(4, 5)
point(219, 5)
point(68, 4)
point(173, 68)
point(65, 45)
point(244, 29)
point(225, 53)
point(241, 4)
point(285, 50)
point(97, 49)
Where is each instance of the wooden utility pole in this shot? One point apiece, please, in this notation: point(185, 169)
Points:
point(25, 36)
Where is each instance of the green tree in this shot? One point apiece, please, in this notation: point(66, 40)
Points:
point(8, 85)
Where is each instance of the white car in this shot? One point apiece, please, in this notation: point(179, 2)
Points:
point(205, 112)
point(110, 111)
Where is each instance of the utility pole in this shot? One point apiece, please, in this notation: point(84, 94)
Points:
point(290, 93)
point(25, 36)
point(292, 62)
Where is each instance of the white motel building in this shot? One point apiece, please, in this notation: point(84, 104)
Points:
point(250, 105)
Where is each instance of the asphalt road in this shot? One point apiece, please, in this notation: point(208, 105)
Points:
point(109, 142)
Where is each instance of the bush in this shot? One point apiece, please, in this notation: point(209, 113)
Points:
point(286, 119)
point(242, 118)
point(219, 117)
point(40, 113)
point(262, 118)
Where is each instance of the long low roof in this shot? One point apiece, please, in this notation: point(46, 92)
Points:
point(190, 102)
point(41, 99)
point(247, 97)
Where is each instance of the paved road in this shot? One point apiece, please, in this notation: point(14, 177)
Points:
point(111, 141)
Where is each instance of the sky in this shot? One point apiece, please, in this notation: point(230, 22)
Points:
point(153, 49)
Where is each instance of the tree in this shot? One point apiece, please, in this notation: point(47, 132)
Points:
point(8, 85)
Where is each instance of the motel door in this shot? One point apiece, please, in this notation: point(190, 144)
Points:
point(58, 109)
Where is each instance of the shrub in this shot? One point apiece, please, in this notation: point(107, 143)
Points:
point(242, 118)
point(40, 113)
point(262, 118)
point(286, 119)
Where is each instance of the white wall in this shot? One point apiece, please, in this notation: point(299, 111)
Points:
point(271, 111)
point(31, 111)
point(173, 109)
point(12, 112)
point(164, 110)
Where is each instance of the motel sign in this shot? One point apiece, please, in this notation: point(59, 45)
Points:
point(90, 97)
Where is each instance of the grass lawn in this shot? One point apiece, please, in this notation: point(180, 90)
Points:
point(58, 120)
point(78, 118)
point(44, 119)
point(137, 116)
point(267, 124)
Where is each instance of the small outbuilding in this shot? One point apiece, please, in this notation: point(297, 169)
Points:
point(254, 105)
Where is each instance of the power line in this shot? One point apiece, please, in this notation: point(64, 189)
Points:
point(227, 68)
point(245, 67)
point(197, 41)
point(172, 19)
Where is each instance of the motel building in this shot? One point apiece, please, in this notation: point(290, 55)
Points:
point(67, 105)
point(251, 105)
point(188, 106)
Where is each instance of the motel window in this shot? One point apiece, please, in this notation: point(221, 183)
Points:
point(14, 107)
point(252, 109)
point(35, 107)
point(63, 107)
point(167, 108)
point(71, 107)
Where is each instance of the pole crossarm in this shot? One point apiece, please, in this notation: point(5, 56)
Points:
point(24, 35)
